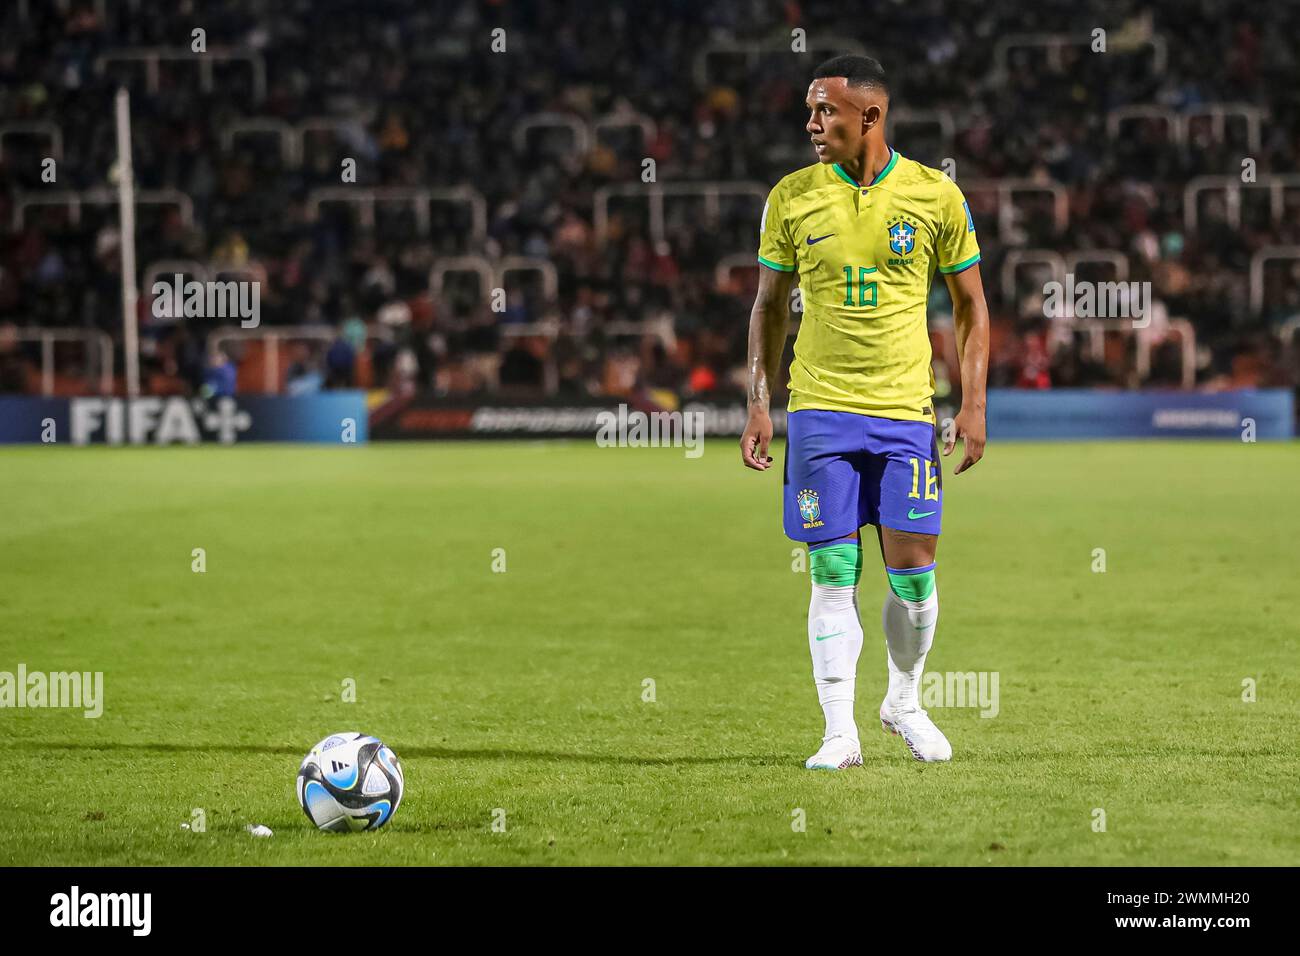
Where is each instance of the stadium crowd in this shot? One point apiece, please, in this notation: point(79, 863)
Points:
point(434, 98)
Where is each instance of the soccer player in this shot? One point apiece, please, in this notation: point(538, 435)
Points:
point(864, 228)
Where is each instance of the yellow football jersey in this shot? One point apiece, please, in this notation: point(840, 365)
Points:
point(865, 255)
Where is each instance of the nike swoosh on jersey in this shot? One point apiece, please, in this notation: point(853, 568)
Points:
point(813, 242)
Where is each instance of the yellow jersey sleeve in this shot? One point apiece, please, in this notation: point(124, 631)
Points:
point(957, 248)
point(775, 248)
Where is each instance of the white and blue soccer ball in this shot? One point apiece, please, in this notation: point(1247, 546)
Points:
point(350, 782)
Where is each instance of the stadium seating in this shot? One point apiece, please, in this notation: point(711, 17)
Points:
point(607, 172)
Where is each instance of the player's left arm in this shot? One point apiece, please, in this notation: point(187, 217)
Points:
point(971, 319)
point(958, 251)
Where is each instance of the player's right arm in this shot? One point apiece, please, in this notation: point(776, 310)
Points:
point(768, 326)
point(768, 323)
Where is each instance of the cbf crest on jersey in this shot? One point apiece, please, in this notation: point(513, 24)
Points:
point(809, 508)
point(902, 235)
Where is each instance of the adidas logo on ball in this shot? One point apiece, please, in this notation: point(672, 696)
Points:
point(357, 788)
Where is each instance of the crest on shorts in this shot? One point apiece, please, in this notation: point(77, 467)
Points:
point(808, 506)
point(902, 235)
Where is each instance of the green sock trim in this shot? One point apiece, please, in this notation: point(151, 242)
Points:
point(839, 565)
point(912, 587)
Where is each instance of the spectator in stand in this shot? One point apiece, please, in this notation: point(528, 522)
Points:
point(218, 375)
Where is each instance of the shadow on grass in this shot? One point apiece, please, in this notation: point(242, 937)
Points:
point(1111, 752)
point(444, 753)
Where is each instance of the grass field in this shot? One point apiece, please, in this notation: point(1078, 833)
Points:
point(523, 690)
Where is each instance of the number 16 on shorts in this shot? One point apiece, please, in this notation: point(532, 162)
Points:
point(923, 466)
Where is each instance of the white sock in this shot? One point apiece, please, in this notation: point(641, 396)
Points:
point(909, 632)
point(833, 617)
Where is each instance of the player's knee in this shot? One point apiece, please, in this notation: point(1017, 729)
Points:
point(908, 549)
point(912, 585)
point(837, 563)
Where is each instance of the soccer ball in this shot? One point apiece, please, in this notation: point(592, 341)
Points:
point(350, 782)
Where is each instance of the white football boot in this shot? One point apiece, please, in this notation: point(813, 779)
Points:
point(923, 738)
point(837, 753)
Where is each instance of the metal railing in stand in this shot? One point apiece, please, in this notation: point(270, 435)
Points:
point(271, 338)
point(1218, 113)
point(102, 350)
point(492, 275)
point(728, 263)
point(753, 50)
point(937, 118)
point(1112, 257)
point(1187, 352)
point(1017, 258)
point(1055, 43)
point(1257, 262)
point(261, 126)
point(469, 265)
point(47, 128)
point(579, 133)
point(1006, 191)
point(417, 197)
point(100, 196)
point(711, 192)
point(543, 267)
point(1231, 187)
point(660, 328)
point(549, 329)
point(1174, 125)
point(292, 136)
point(1178, 125)
point(151, 56)
point(625, 119)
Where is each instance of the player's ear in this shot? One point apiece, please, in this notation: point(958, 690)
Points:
point(870, 117)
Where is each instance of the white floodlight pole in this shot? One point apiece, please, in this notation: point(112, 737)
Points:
point(126, 224)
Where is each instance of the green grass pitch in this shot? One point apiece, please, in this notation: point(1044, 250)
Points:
point(1120, 691)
